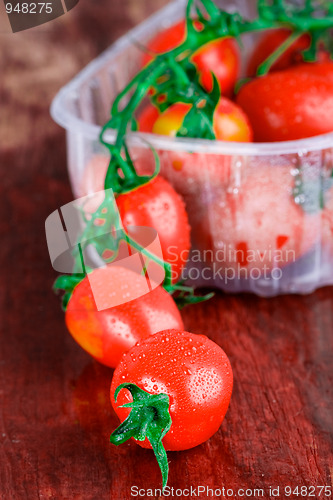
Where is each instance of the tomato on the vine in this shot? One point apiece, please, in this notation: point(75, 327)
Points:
point(183, 383)
point(219, 56)
point(108, 334)
point(230, 122)
point(190, 173)
point(268, 44)
point(147, 118)
point(157, 205)
point(289, 105)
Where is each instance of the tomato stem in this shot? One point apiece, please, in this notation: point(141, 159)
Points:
point(179, 76)
point(264, 68)
point(149, 419)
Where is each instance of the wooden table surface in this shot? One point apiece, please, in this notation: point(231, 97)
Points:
point(55, 416)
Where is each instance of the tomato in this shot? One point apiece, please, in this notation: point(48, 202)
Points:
point(192, 370)
point(270, 42)
point(191, 173)
point(157, 205)
point(147, 118)
point(165, 40)
point(288, 105)
point(219, 56)
point(257, 228)
point(323, 69)
point(108, 333)
point(230, 122)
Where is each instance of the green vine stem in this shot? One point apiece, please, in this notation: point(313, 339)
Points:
point(268, 63)
point(149, 419)
point(178, 76)
point(173, 76)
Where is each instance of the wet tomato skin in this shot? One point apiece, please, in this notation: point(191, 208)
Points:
point(157, 205)
point(322, 68)
point(220, 56)
point(288, 105)
point(195, 373)
point(108, 333)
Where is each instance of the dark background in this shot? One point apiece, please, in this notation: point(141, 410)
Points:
point(55, 416)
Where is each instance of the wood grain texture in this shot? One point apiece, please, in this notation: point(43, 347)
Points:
point(55, 416)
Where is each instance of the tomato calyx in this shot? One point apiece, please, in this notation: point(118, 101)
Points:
point(121, 175)
point(67, 283)
point(149, 419)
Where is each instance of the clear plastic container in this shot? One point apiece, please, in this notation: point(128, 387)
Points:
point(249, 229)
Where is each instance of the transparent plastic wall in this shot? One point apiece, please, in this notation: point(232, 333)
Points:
point(255, 209)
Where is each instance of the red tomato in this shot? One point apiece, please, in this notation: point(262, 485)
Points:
point(270, 42)
point(192, 370)
point(323, 69)
point(147, 118)
point(108, 333)
point(258, 227)
point(192, 174)
point(157, 205)
point(219, 56)
point(230, 122)
point(288, 105)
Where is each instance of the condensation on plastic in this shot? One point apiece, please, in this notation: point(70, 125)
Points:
point(251, 234)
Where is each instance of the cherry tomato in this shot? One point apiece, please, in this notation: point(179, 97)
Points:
point(192, 174)
point(157, 205)
point(323, 69)
point(230, 122)
point(108, 333)
point(288, 105)
point(257, 227)
point(270, 42)
point(219, 56)
point(192, 370)
point(147, 118)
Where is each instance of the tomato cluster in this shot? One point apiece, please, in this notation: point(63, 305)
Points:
point(171, 389)
point(293, 101)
